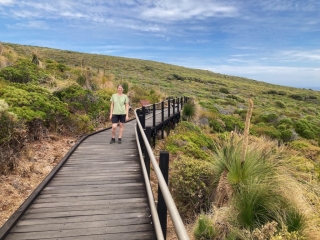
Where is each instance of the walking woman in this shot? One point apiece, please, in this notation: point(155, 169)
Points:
point(119, 113)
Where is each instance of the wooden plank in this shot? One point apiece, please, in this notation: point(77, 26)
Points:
point(107, 209)
point(120, 195)
point(83, 225)
point(93, 192)
point(82, 218)
point(105, 212)
point(98, 202)
point(81, 232)
point(146, 235)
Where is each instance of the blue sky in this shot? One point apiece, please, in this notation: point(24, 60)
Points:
point(275, 41)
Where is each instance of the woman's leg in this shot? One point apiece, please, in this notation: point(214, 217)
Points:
point(113, 130)
point(121, 128)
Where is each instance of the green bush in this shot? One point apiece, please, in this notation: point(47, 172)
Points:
point(306, 129)
point(31, 102)
point(190, 185)
point(280, 104)
point(296, 97)
point(286, 135)
point(84, 102)
point(224, 90)
point(239, 99)
point(270, 131)
point(269, 118)
point(23, 71)
point(232, 123)
point(287, 122)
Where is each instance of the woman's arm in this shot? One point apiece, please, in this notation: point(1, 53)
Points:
point(127, 111)
point(111, 110)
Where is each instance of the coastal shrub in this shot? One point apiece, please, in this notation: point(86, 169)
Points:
point(81, 101)
point(23, 71)
point(232, 123)
point(265, 130)
point(217, 125)
point(280, 104)
point(269, 118)
point(272, 91)
point(286, 135)
point(190, 185)
point(305, 129)
point(296, 97)
point(31, 102)
point(224, 90)
point(287, 122)
point(189, 140)
point(239, 99)
point(12, 137)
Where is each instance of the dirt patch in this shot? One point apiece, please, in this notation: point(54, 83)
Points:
point(37, 160)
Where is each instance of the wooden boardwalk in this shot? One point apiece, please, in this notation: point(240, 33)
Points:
point(99, 193)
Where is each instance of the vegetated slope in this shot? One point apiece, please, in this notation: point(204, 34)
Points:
point(285, 114)
point(208, 87)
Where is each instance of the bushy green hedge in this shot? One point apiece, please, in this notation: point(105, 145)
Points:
point(23, 71)
point(189, 140)
point(190, 185)
point(81, 101)
point(226, 123)
point(31, 102)
point(306, 129)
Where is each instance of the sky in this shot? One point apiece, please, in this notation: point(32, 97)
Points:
point(274, 41)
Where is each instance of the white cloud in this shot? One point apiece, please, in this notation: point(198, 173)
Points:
point(30, 24)
point(6, 2)
point(186, 9)
point(301, 55)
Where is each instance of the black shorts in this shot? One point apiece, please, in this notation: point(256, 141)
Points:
point(117, 118)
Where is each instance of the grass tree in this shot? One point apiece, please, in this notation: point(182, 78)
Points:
point(189, 111)
point(248, 183)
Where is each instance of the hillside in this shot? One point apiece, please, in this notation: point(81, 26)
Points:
point(50, 94)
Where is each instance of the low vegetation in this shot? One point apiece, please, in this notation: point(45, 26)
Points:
point(231, 178)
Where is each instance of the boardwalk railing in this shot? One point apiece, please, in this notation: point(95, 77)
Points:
point(143, 136)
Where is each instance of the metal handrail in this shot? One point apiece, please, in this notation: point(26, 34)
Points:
point(153, 208)
point(173, 211)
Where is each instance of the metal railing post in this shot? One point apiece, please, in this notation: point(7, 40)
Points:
point(178, 103)
point(143, 120)
point(174, 105)
point(154, 115)
point(147, 132)
point(169, 108)
point(162, 119)
point(162, 208)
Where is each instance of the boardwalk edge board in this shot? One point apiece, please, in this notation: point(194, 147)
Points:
point(10, 223)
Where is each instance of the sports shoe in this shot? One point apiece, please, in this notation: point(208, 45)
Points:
point(119, 140)
point(112, 140)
